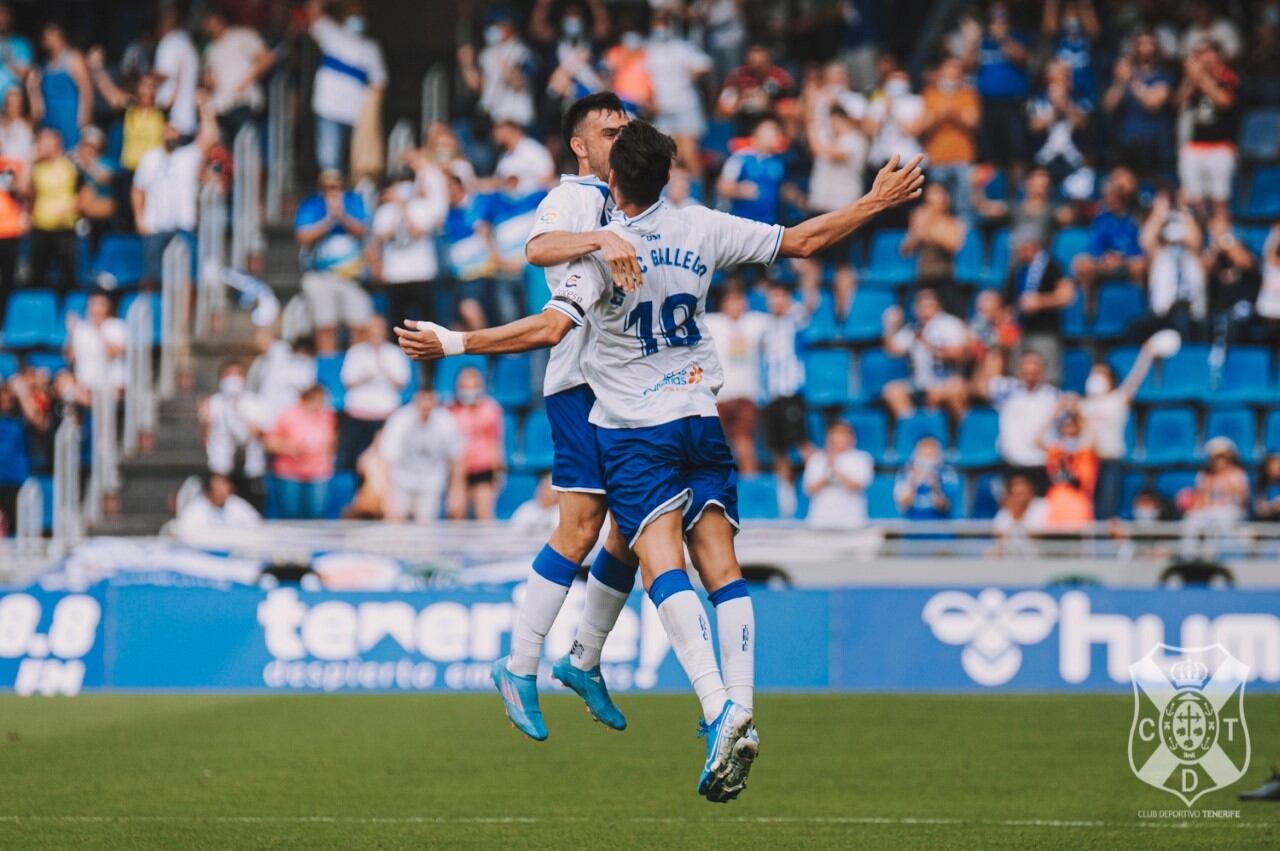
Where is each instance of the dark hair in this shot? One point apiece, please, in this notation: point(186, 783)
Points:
point(641, 162)
point(582, 107)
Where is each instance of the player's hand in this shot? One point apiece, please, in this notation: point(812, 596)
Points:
point(623, 263)
point(419, 345)
point(896, 186)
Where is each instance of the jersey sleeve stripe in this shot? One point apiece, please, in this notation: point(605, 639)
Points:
point(559, 303)
point(777, 245)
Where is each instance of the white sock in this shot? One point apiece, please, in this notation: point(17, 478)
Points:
point(599, 614)
point(687, 627)
point(544, 594)
point(736, 626)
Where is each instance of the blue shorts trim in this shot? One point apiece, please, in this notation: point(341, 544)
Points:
point(575, 464)
point(683, 465)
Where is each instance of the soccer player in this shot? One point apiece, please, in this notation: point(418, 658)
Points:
point(568, 226)
point(669, 472)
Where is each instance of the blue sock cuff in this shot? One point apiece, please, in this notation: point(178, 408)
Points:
point(672, 582)
point(618, 575)
point(553, 567)
point(735, 589)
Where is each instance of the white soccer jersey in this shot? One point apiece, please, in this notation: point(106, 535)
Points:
point(577, 205)
point(650, 358)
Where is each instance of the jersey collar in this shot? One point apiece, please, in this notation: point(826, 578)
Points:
point(585, 179)
point(644, 221)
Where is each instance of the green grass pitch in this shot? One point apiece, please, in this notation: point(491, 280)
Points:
point(835, 771)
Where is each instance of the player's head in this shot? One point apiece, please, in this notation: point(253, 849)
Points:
point(590, 127)
point(640, 164)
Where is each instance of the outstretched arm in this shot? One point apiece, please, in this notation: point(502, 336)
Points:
point(894, 186)
point(431, 341)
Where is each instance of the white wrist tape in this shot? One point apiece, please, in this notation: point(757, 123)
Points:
point(451, 341)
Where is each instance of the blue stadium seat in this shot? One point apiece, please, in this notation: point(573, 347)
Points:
point(875, 370)
point(342, 489)
point(51, 362)
point(1253, 236)
point(535, 285)
point(1169, 437)
point(976, 439)
point(517, 490)
point(1238, 424)
point(822, 327)
point(888, 268)
point(8, 365)
point(985, 495)
point(1246, 378)
point(77, 302)
point(329, 376)
point(511, 430)
point(1075, 325)
point(997, 266)
point(1129, 487)
point(120, 256)
point(863, 324)
point(880, 504)
point(1169, 482)
point(1263, 195)
point(1076, 365)
point(871, 429)
point(1260, 134)
point(536, 452)
point(1271, 433)
point(32, 319)
point(513, 380)
point(447, 371)
point(925, 422)
point(969, 259)
point(758, 497)
point(1067, 243)
point(827, 373)
point(717, 137)
point(1183, 377)
point(46, 501)
point(1118, 305)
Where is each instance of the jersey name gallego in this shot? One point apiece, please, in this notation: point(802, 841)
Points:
point(649, 357)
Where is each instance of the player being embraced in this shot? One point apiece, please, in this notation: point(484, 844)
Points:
point(568, 226)
point(669, 473)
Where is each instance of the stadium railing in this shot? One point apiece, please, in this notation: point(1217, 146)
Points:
point(139, 391)
point(280, 108)
point(68, 519)
point(435, 96)
point(246, 198)
point(211, 254)
point(175, 286)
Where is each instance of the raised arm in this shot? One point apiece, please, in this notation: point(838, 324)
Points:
point(432, 342)
point(893, 187)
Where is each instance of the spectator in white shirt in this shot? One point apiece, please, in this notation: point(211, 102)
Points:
point(784, 406)
point(502, 74)
point(836, 479)
point(351, 69)
point(675, 68)
point(206, 519)
point(422, 446)
point(1025, 404)
point(1105, 407)
point(525, 165)
point(231, 425)
point(939, 347)
point(178, 67)
point(280, 374)
point(894, 118)
point(402, 247)
point(235, 60)
point(541, 514)
point(738, 332)
point(374, 373)
point(96, 346)
point(166, 189)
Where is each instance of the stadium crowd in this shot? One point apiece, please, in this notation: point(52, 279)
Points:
point(1098, 173)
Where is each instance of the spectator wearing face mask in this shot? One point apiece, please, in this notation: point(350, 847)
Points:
point(330, 226)
point(280, 374)
point(895, 116)
point(949, 128)
point(922, 485)
point(1176, 289)
point(1106, 407)
point(1071, 464)
point(1074, 26)
point(374, 373)
point(402, 246)
point(629, 75)
point(1025, 403)
point(675, 68)
point(302, 442)
point(480, 421)
point(572, 50)
point(1000, 58)
point(501, 74)
point(938, 345)
point(525, 165)
point(836, 479)
point(351, 69)
point(231, 422)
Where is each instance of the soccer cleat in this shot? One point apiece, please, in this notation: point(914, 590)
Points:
point(520, 697)
point(589, 685)
point(741, 758)
point(722, 735)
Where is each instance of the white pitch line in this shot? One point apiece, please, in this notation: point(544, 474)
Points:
point(904, 821)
